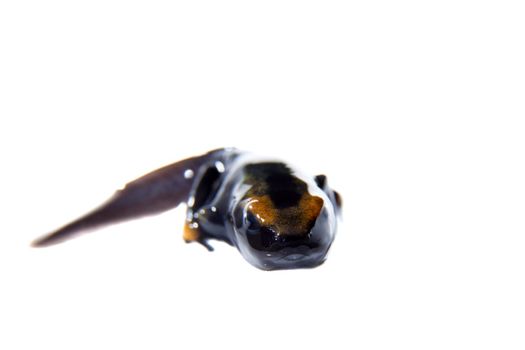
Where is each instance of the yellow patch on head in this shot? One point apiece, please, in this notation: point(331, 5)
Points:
point(310, 207)
point(263, 209)
point(294, 220)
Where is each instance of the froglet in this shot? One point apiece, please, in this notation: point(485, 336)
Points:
point(277, 217)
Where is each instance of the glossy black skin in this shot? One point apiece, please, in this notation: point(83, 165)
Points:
point(277, 217)
point(219, 202)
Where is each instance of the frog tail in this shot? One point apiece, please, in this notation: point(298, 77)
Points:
point(153, 193)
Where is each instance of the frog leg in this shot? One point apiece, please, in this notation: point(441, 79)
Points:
point(193, 233)
point(334, 196)
point(206, 183)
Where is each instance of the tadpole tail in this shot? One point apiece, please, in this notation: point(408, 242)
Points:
point(153, 193)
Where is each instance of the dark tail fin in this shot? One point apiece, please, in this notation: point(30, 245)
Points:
point(150, 194)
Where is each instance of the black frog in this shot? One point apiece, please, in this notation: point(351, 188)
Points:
point(277, 217)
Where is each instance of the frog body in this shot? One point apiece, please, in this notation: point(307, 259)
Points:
point(277, 217)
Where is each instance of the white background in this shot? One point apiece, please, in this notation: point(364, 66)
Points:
point(413, 109)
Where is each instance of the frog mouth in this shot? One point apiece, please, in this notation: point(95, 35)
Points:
point(295, 253)
point(294, 257)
